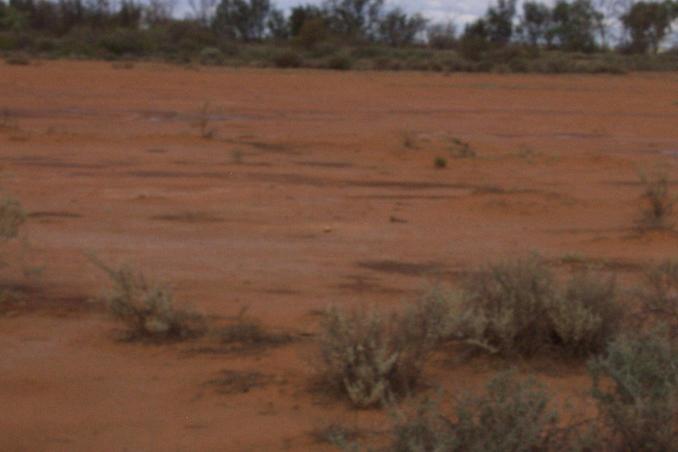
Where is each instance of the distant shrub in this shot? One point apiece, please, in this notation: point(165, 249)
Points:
point(440, 162)
point(586, 316)
point(371, 357)
point(659, 293)
point(461, 149)
point(148, 309)
point(124, 41)
point(211, 56)
point(517, 307)
point(288, 59)
point(513, 415)
point(635, 385)
point(12, 216)
point(658, 204)
point(339, 63)
point(17, 60)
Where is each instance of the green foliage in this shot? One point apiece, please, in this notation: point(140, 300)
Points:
point(648, 24)
point(635, 385)
point(440, 162)
point(513, 415)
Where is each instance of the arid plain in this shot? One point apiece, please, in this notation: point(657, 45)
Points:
point(285, 192)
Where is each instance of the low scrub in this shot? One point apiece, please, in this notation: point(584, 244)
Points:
point(148, 309)
point(513, 415)
point(372, 357)
point(635, 385)
point(518, 307)
point(659, 293)
point(12, 216)
point(657, 208)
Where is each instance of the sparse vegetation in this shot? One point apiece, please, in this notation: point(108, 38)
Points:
point(659, 293)
point(636, 387)
point(658, 203)
point(203, 122)
point(12, 216)
point(461, 149)
point(372, 357)
point(513, 415)
point(246, 333)
point(440, 162)
point(409, 139)
point(148, 309)
point(519, 308)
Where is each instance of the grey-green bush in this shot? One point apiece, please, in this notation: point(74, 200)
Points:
point(518, 307)
point(659, 293)
point(635, 385)
point(148, 309)
point(372, 357)
point(586, 315)
point(513, 415)
point(505, 307)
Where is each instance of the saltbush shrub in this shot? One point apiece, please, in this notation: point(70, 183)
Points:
point(513, 415)
point(635, 385)
point(372, 357)
point(518, 308)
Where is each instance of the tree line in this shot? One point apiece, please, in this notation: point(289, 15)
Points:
point(568, 25)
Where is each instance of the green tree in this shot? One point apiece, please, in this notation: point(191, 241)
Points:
point(499, 21)
point(246, 20)
point(536, 23)
point(575, 25)
point(648, 23)
point(399, 29)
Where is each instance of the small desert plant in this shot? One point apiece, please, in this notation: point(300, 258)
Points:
point(440, 162)
point(409, 139)
point(12, 216)
point(202, 122)
point(461, 149)
point(148, 309)
point(372, 357)
point(657, 203)
point(659, 293)
point(513, 415)
point(586, 316)
point(635, 385)
point(247, 333)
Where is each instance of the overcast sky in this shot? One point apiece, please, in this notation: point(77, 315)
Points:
point(460, 11)
point(436, 10)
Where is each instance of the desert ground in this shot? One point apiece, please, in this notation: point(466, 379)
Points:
point(283, 193)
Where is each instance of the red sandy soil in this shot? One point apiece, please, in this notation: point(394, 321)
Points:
point(305, 197)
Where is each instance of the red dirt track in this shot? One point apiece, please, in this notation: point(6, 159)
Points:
point(306, 196)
